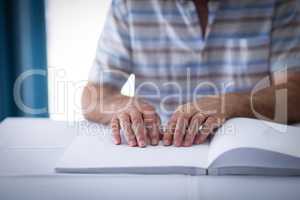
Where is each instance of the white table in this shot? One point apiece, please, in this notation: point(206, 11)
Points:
point(29, 149)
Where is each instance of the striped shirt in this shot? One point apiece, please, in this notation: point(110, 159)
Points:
point(161, 42)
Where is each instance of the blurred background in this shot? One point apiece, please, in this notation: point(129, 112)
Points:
point(46, 50)
point(73, 29)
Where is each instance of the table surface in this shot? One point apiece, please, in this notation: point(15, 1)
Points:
point(30, 148)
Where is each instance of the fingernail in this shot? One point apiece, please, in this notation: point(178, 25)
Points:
point(167, 142)
point(177, 144)
point(197, 142)
point(142, 143)
point(154, 142)
point(187, 143)
point(132, 144)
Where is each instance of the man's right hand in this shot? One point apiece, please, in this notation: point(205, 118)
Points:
point(138, 120)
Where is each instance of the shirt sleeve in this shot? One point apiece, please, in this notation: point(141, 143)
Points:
point(285, 39)
point(113, 64)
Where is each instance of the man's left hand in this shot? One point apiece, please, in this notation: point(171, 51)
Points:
point(194, 122)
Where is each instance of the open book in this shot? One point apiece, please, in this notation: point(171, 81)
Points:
point(241, 147)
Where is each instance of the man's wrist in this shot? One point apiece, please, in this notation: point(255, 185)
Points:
point(237, 105)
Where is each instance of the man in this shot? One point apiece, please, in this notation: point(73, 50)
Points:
point(197, 64)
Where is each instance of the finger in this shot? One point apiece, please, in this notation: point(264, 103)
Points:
point(169, 132)
point(138, 127)
point(115, 126)
point(126, 127)
point(196, 121)
point(209, 127)
point(180, 131)
point(152, 123)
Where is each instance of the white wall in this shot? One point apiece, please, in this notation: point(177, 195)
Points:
point(73, 27)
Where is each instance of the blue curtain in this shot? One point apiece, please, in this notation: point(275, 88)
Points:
point(23, 63)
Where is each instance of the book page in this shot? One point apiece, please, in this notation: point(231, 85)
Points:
point(252, 133)
point(99, 152)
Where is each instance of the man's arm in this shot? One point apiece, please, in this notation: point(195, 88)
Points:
point(211, 112)
point(279, 102)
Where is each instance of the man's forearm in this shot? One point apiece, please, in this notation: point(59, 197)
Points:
point(279, 102)
point(100, 102)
